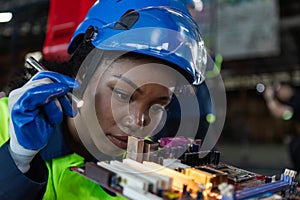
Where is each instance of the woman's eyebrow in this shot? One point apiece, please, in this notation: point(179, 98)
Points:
point(165, 98)
point(129, 82)
point(134, 86)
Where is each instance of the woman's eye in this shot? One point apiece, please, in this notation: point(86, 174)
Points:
point(121, 95)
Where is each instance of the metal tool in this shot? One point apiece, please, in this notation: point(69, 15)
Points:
point(39, 67)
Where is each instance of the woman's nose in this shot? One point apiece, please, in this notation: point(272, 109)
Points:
point(137, 118)
point(141, 121)
point(140, 116)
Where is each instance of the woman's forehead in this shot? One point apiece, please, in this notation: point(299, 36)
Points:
point(144, 72)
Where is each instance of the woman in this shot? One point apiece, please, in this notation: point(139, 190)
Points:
point(128, 58)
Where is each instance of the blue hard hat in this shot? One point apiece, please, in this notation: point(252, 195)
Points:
point(158, 28)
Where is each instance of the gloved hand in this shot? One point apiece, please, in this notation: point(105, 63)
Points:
point(35, 109)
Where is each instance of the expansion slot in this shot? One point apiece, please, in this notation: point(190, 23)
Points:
point(165, 181)
point(126, 179)
point(154, 182)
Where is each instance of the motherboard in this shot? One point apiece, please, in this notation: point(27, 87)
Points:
point(176, 168)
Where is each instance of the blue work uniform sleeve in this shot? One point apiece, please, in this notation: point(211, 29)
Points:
point(16, 185)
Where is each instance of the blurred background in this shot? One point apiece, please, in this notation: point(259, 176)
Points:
point(257, 41)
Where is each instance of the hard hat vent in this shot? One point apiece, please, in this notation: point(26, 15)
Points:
point(127, 20)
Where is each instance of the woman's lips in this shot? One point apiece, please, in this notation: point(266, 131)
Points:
point(120, 141)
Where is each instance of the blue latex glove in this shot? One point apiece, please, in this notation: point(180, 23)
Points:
point(35, 109)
